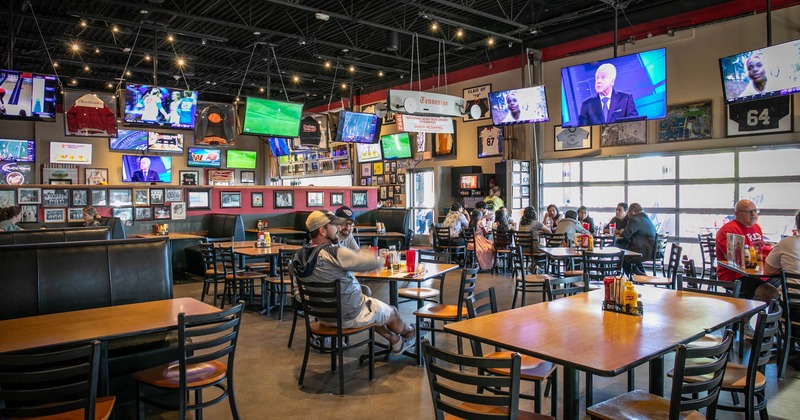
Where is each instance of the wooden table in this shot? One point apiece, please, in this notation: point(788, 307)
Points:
point(758, 271)
point(375, 236)
point(279, 231)
point(568, 253)
point(247, 249)
point(432, 271)
point(365, 228)
point(176, 236)
point(576, 333)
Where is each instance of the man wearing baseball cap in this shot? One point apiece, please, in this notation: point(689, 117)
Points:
point(322, 261)
point(346, 238)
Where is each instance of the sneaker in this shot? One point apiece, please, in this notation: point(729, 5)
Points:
point(749, 332)
point(404, 344)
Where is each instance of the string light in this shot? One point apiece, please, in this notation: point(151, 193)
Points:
point(380, 73)
point(75, 46)
point(170, 38)
point(434, 26)
point(296, 79)
point(181, 62)
point(83, 23)
point(261, 90)
point(109, 85)
point(86, 68)
point(460, 32)
point(327, 64)
point(352, 69)
point(490, 41)
point(344, 85)
point(114, 29)
point(128, 73)
point(147, 57)
point(96, 50)
point(55, 64)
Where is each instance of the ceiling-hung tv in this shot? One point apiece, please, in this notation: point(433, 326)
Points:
point(519, 106)
point(358, 127)
point(27, 96)
point(622, 89)
point(761, 73)
point(271, 118)
point(153, 106)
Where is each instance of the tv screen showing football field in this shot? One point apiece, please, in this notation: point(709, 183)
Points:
point(272, 118)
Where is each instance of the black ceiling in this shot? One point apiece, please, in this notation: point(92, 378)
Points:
point(222, 40)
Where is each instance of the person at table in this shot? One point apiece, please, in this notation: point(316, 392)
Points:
point(322, 261)
point(478, 214)
point(569, 226)
point(583, 217)
point(9, 217)
point(502, 219)
point(493, 200)
point(786, 256)
point(530, 223)
point(639, 236)
point(90, 216)
point(456, 220)
point(345, 234)
point(552, 217)
point(745, 223)
point(484, 247)
point(620, 219)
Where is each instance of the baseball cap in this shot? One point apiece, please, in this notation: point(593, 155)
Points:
point(346, 213)
point(319, 218)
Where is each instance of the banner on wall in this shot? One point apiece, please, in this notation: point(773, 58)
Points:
point(412, 123)
point(78, 153)
point(13, 173)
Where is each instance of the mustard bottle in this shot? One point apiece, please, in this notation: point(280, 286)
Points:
point(591, 243)
point(267, 239)
point(629, 296)
point(753, 257)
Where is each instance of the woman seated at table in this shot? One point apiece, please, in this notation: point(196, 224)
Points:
point(90, 216)
point(639, 236)
point(569, 226)
point(9, 217)
point(529, 223)
point(503, 221)
point(583, 217)
point(552, 217)
point(484, 248)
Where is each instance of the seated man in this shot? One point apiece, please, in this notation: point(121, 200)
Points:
point(639, 236)
point(620, 220)
point(346, 238)
point(456, 220)
point(322, 261)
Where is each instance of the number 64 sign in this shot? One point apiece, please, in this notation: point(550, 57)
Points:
point(764, 116)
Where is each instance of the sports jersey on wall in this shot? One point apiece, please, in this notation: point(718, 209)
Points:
point(771, 115)
point(90, 114)
point(490, 141)
point(214, 124)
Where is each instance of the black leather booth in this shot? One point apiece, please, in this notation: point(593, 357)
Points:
point(68, 234)
point(395, 220)
point(220, 226)
point(116, 226)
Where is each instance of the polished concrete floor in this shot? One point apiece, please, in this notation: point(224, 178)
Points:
point(267, 371)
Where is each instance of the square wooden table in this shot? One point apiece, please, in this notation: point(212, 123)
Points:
point(375, 236)
point(432, 271)
point(757, 271)
point(569, 253)
point(577, 334)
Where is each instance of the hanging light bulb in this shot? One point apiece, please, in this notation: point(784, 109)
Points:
point(181, 62)
point(344, 85)
point(352, 69)
point(434, 26)
point(114, 29)
point(86, 68)
point(75, 47)
point(327, 64)
point(55, 64)
point(460, 33)
point(261, 90)
point(296, 79)
point(380, 73)
point(147, 57)
point(83, 23)
point(490, 41)
point(109, 85)
point(128, 73)
point(170, 38)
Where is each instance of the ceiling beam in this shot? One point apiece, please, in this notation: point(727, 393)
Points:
point(474, 11)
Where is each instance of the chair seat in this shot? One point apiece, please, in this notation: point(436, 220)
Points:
point(440, 311)
point(573, 273)
point(652, 280)
point(318, 328)
point(258, 266)
point(532, 368)
point(168, 376)
point(708, 340)
point(637, 404)
point(535, 278)
point(220, 270)
point(418, 293)
point(277, 280)
point(247, 275)
point(478, 408)
point(102, 411)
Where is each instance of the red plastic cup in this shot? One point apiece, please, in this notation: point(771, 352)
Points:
point(411, 260)
point(586, 226)
point(607, 282)
point(612, 228)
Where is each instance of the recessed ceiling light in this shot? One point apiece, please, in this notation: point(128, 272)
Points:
point(257, 33)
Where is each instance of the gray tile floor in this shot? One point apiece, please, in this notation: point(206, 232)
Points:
point(267, 371)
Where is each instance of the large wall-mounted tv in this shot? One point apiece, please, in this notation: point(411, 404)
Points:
point(129, 141)
point(271, 118)
point(761, 73)
point(633, 87)
point(369, 152)
point(204, 158)
point(165, 142)
point(519, 106)
point(241, 159)
point(396, 146)
point(358, 127)
point(17, 150)
point(26, 95)
point(279, 146)
point(153, 106)
point(146, 168)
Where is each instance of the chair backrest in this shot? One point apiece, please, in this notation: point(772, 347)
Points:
point(557, 287)
point(443, 372)
point(321, 300)
point(482, 302)
point(469, 276)
point(767, 327)
point(285, 262)
point(708, 366)
point(426, 256)
point(604, 241)
point(713, 287)
point(660, 249)
point(673, 265)
point(688, 267)
point(518, 261)
point(708, 248)
point(442, 232)
point(503, 239)
point(598, 265)
point(553, 240)
point(58, 381)
point(209, 256)
point(791, 297)
point(227, 258)
point(524, 238)
point(469, 241)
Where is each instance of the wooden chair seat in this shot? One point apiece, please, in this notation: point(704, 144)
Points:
point(278, 281)
point(532, 368)
point(485, 409)
point(637, 404)
point(319, 328)
point(418, 293)
point(247, 275)
point(573, 273)
point(439, 311)
point(652, 280)
point(258, 266)
point(168, 376)
point(707, 340)
point(102, 411)
point(735, 377)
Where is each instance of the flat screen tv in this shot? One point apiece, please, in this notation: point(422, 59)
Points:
point(470, 182)
point(241, 159)
point(358, 127)
point(519, 106)
point(279, 146)
point(146, 168)
point(204, 158)
point(17, 150)
point(761, 73)
point(165, 142)
point(71, 153)
point(271, 118)
point(27, 96)
point(632, 87)
point(153, 106)
point(369, 152)
point(129, 140)
point(396, 146)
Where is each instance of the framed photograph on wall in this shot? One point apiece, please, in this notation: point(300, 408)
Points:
point(142, 213)
point(96, 176)
point(59, 174)
point(382, 194)
point(221, 176)
point(230, 199)
point(99, 197)
point(141, 197)
point(572, 138)
point(120, 197)
point(444, 144)
point(75, 214)
point(178, 210)
point(30, 213)
point(173, 194)
point(337, 199)
point(55, 197)
point(490, 141)
point(156, 195)
point(189, 177)
point(247, 177)
point(79, 197)
point(29, 195)
point(7, 198)
point(198, 199)
point(257, 199)
point(55, 215)
point(764, 116)
point(358, 199)
point(125, 214)
point(377, 168)
point(283, 199)
point(478, 97)
point(315, 199)
point(686, 122)
point(623, 134)
point(366, 169)
point(162, 212)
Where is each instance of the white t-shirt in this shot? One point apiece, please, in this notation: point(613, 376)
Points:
point(786, 255)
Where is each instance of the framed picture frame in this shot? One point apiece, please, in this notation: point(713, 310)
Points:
point(59, 174)
point(398, 189)
point(390, 191)
point(8, 198)
point(141, 197)
point(55, 197)
point(379, 180)
point(490, 141)
point(143, 213)
point(623, 134)
point(30, 213)
point(230, 199)
point(764, 116)
point(157, 196)
point(477, 96)
point(29, 195)
point(393, 179)
point(99, 197)
point(125, 214)
point(173, 194)
point(382, 194)
point(121, 197)
point(55, 215)
point(444, 144)
point(221, 176)
point(315, 199)
point(366, 181)
point(178, 209)
point(79, 197)
point(377, 168)
point(189, 177)
point(247, 177)
point(75, 214)
point(686, 122)
point(283, 199)
point(525, 166)
point(337, 199)
point(162, 212)
point(95, 176)
point(358, 199)
point(401, 178)
point(256, 199)
point(571, 138)
point(393, 167)
point(366, 169)
point(198, 199)
point(60, 181)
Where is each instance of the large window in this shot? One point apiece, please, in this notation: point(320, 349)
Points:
point(684, 193)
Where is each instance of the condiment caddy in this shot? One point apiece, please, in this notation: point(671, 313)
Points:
point(621, 297)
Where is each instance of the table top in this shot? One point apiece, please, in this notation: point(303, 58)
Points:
point(378, 235)
point(758, 271)
point(564, 252)
point(431, 270)
point(172, 236)
point(247, 248)
point(575, 331)
point(366, 228)
point(279, 231)
point(98, 323)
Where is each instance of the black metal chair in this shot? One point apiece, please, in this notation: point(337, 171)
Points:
point(214, 272)
point(238, 283)
point(714, 288)
point(442, 242)
point(670, 277)
point(280, 286)
point(422, 294)
point(207, 349)
point(659, 252)
point(503, 245)
point(791, 327)
point(525, 283)
point(470, 252)
point(708, 247)
point(557, 287)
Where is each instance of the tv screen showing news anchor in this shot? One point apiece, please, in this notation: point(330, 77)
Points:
point(622, 89)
